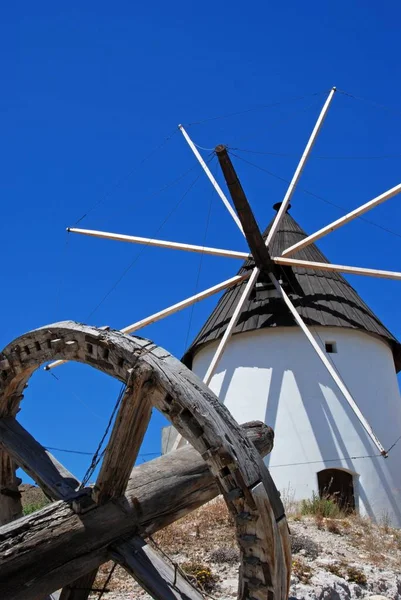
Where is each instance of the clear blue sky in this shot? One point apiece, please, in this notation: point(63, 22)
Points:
point(89, 89)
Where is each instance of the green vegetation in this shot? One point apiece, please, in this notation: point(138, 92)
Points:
point(33, 507)
point(325, 507)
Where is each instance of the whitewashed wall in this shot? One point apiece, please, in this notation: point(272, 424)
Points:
point(275, 376)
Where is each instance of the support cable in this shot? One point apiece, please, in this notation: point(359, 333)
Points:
point(256, 108)
point(99, 453)
point(124, 178)
point(302, 189)
point(139, 254)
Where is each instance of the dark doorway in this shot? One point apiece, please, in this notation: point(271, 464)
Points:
point(339, 485)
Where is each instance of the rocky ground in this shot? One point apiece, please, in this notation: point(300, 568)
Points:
point(333, 558)
point(337, 558)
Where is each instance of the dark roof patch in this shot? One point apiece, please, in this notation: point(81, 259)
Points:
point(322, 298)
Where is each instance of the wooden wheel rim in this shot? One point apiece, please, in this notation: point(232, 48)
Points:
point(197, 414)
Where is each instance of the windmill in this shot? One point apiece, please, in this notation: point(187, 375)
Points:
point(335, 405)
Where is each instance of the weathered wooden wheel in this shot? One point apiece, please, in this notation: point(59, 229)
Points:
point(73, 537)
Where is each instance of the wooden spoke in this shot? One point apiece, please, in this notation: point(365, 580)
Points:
point(10, 497)
point(152, 571)
point(80, 588)
point(158, 493)
point(131, 423)
point(55, 480)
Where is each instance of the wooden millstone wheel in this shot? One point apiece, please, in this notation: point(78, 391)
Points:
point(63, 544)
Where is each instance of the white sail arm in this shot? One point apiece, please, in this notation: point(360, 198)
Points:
point(343, 220)
point(308, 264)
point(340, 384)
point(299, 169)
point(212, 179)
point(134, 239)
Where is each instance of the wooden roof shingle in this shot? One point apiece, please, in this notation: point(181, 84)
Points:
point(322, 298)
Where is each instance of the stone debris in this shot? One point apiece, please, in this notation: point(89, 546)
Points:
point(360, 561)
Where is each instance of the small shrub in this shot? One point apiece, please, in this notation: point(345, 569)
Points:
point(356, 576)
point(291, 506)
point(225, 555)
point(333, 527)
point(200, 575)
point(301, 570)
point(336, 569)
point(319, 521)
point(302, 542)
point(385, 522)
point(325, 506)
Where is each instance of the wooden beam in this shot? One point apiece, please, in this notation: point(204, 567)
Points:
point(172, 309)
point(160, 243)
point(152, 571)
point(330, 368)
point(211, 178)
point(233, 321)
point(299, 169)
point(250, 228)
point(64, 545)
point(292, 262)
point(55, 480)
point(126, 438)
point(343, 220)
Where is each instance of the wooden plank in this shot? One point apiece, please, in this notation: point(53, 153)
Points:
point(41, 465)
point(126, 438)
point(250, 228)
point(152, 571)
point(64, 546)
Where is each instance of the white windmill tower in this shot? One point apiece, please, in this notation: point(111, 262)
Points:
point(292, 344)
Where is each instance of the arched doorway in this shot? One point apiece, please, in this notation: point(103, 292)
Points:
point(338, 484)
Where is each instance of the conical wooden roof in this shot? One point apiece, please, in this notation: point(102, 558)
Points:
point(322, 298)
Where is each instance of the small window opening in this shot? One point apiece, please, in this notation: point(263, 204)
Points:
point(337, 485)
point(331, 347)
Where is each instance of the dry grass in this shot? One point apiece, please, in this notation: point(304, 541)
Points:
point(380, 544)
point(302, 570)
point(208, 528)
point(211, 525)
